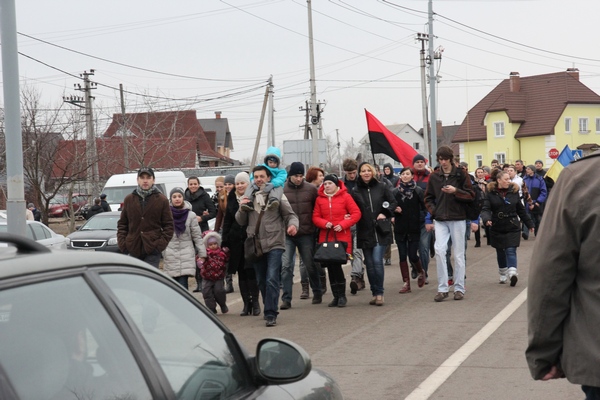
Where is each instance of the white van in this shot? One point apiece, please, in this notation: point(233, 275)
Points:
point(120, 185)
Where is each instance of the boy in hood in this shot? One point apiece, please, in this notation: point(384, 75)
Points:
point(273, 188)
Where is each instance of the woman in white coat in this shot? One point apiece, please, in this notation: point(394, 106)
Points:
point(179, 258)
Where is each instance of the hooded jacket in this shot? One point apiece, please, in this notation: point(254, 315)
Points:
point(279, 175)
point(214, 267)
point(392, 178)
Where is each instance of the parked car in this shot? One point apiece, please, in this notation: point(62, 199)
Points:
point(59, 205)
point(99, 233)
point(109, 326)
point(38, 232)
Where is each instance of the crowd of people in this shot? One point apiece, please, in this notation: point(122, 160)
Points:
point(291, 212)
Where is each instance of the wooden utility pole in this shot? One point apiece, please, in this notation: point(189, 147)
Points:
point(260, 125)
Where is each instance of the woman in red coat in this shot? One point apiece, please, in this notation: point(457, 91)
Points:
point(332, 207)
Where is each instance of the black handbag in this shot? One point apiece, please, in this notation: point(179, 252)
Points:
point(331, 252)
point(252, 248)
point(383, 226)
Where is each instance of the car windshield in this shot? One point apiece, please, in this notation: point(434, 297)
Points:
point(101, 222)
point(116, 195)
point(58, 200)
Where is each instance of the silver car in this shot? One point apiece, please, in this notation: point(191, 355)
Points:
point(40, 233)
point(103, 326)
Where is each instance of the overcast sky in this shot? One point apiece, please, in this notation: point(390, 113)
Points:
point(212, 55)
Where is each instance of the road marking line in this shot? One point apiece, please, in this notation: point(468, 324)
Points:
point(444, 371)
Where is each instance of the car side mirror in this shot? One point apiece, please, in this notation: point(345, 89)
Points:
point(280, 361)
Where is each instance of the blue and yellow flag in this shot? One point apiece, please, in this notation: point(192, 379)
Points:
point(564, 159)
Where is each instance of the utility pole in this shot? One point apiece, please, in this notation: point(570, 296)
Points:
point(124, 131)
point(90, 147)
point(271, 120)
point(260, 126)
point(422, 37)
point(306, 125)
point(314, 117)
point(432, 82)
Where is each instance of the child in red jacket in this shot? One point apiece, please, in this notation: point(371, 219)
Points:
point(213, 271)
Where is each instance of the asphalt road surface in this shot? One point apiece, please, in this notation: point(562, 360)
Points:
point(414, 348)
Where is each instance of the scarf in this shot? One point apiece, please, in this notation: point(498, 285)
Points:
point(406, 190)
point(179, 218)
point(145, 193)
point(482, 184)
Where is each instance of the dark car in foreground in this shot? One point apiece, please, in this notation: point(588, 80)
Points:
point(107, 326)
point(99, 233)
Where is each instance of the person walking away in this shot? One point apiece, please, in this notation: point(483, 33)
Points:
point(145, 226)
point(445, 190)
point(301, 196)
point(274, 224)
point(104, 203)
point(95, 209)
point(357, 280)
point(205, 210)
point(409, 217)
point(179, 258)
point(234, 236)
point(213, 270)
point(563, 302)
point(376, 202)
point(502, 209)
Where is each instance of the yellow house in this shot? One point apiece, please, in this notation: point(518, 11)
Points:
point(525, 118)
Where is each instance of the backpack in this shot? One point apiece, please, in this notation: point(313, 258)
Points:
point(473, 208)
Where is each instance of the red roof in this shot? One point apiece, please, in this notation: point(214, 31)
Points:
point(537, 104)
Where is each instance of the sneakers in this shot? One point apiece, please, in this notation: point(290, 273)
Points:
point(388, 261)
point(286, 305)
point(354, 285)
point(459, 295)
point(503, 279)
point(271, 321)
point(441, 296)
point(272, 204)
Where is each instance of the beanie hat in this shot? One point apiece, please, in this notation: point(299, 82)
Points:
point(242, 177)
point(539, 161)
point(297, 168)
point(230, 179)
point(220, 179)
point(211, 236)
point(333, 178)
point(418, 157)
point(531, 167)
point(103, 196)
point(176, 190)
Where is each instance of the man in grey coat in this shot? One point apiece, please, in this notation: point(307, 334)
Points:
point(563, 302)
point(274, 224)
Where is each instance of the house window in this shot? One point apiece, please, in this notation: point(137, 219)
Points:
point(567, 125)
point(416, 145)
point(597, 125)
point(478, 161)
point(499, 129)
point(501, 157)
point(583, 125)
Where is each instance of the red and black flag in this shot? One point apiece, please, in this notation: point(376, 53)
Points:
point(385, 142)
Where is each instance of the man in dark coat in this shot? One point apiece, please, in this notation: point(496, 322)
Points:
point(104, 203)
point(95, 209)
point(146, 223)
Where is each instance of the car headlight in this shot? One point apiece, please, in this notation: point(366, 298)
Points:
point(112, 241)
point(68, 242)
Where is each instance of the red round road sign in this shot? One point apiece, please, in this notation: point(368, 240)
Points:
point(553, 153)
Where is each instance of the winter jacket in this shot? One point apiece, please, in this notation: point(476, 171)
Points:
point(278, 175)
point(447, 206)
point(214, 267)
point(421, 177)
point(179, 258)
point(392, 178)
point(563, 296)
point(408, 223)
point(537, 189)
point(273, 225)
point(370, 198)
point(334, 209)
point(234, 235)
point(201, 201)
point(302, 199)
point(504, 212)
point(95, 209)
point(146, 225)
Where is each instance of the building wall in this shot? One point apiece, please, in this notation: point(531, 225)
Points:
point(537, 148)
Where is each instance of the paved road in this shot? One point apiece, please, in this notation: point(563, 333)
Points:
point(413, 347)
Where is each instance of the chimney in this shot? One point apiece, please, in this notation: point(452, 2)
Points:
point(515, 83)
point(439, 129)
point(574, 72)
point(218, 114)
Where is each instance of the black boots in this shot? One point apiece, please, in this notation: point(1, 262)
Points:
point(323, 283)
point(339, 294)
point(198, 281)
point(228, 283)
point(254, 297)
point(245, 292)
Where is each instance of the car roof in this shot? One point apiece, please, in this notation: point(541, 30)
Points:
point(108, 214)
point(15, 264)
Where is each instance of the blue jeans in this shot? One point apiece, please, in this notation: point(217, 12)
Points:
point(374, 262)
point(455, 230)
point(182, 280)
point(424, 246)
point(268, 276)
point(507, 258)
point(306, 248)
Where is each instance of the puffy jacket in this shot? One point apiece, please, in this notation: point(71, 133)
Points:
point(334, 209)
point(146, 225)
point(536, 187)
point(370, 198)
point(447, 206)
point(302, 199)
point(180, 255)
point(201, 201)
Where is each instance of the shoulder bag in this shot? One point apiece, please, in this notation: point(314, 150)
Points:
point(331, 252)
